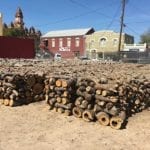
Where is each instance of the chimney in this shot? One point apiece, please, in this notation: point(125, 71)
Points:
point(1, 24)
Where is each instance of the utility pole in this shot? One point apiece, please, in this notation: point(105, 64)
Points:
point(121, 24)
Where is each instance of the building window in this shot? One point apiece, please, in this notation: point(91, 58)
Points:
point(45, 42)
point(103, 42)
point(93, 54)
point(53, 42)
point(77, 42)
point(68, 42)
point(76, 53)
point(115, 42)
point(60, 42)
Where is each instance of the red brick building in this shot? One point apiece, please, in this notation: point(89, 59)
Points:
point(68, 43)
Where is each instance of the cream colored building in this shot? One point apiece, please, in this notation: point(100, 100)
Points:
point(1, 25)
point(100, 44)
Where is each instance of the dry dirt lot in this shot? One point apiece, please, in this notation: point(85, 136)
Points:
point(33, 127)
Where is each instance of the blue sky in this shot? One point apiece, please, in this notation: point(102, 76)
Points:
point(47, 15)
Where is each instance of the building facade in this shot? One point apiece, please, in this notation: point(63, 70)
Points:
point(105, 43)
point(68, 43)
point(1, 25)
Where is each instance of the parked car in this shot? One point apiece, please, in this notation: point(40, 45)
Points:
point(84, 58)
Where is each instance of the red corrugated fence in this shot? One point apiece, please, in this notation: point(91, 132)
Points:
point(11, 47)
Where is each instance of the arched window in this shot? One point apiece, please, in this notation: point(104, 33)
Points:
point(102, 41)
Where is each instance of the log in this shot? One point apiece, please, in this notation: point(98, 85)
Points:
point(68, 106)
point(67, 112)
point(103, 118)
point(6, 102)
point(77, 112)
point(65, 100)
point(38, 88)
point(60, 110)
point(116, 122)
point(88, 115)
point(58, 83)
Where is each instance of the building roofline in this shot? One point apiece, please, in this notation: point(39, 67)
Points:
point(68, 32)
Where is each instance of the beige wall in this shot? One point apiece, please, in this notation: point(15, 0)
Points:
point(1, 25)
point(94, 42)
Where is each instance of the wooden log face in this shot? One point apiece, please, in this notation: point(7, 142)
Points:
point(77, 112)
point(116, 123)
point(31, 80)
point(58, 83)
point(38, 88)
point(88, 115)
point(103, 118)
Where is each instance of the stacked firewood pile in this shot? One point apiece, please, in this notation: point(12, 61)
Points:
point(84, 103)
point(111, 103)
point(18, 89)
point(60, 94)
point(109, 93)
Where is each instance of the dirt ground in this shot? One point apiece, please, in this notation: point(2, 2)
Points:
point(33, 127)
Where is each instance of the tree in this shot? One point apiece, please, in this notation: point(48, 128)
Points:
point(14, 32)
point(145, 37)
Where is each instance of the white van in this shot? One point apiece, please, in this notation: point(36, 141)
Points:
point(57, 56)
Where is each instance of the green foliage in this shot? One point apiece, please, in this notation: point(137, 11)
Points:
point(14, 32)
point(145, 37)
point(24, 33)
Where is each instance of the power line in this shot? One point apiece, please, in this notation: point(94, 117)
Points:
point(133, 30)
point(148, 21)
point(77, 16)
point(69, 18)
point(87, 7)
point(139, 9)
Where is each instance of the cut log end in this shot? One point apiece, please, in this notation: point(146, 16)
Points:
point(77, 112)
point(116, 123)
point(88, 115)
point(103, 118)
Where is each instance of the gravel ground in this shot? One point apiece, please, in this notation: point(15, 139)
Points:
point(33, 127)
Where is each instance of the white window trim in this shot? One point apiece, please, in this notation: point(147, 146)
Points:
point(103, 45)
point(115, 44)
point(77, 42)
point(53, 42)
point(60, 42)
point(68, 42)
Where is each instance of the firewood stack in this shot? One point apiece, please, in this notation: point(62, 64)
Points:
point(34, 84)
point(60, 94)
point(85, 100)
point(111, 102)
point(18, 89)
point(114, 103)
